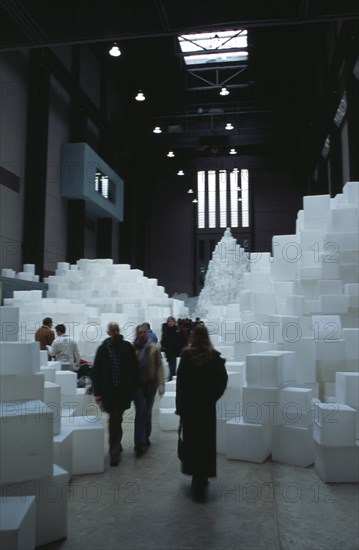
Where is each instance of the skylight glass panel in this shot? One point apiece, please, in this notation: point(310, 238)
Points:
point(214, 47)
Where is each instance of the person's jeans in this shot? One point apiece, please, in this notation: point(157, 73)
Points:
point(143, 419)
point(172, 365)
point(115, 432)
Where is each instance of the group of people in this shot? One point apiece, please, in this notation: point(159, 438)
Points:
point(124, 372)
point(63, 348)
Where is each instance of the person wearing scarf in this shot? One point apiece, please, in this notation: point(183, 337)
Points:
point(151, 379)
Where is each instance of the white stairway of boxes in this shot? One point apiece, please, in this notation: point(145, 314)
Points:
point(289, 336)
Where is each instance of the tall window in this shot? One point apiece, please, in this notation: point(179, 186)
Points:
point(212, 199)
point(223, 198)
point(201, 199)
point(245, 198)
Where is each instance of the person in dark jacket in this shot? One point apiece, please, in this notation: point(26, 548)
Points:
point(201, 380)
point(115, 378)
point(172, 342)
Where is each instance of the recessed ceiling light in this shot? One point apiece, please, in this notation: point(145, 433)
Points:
point(180, 173)
point(115, 51)
point(140, 96)
point(229, 126)
point(195, 200)
point(232, 151)
point(157, 130)
point(224, 91)
point(170, 154)
point(190, 191)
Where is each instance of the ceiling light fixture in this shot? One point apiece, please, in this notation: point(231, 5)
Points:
point(157, 130)
point(195, 200)
point(232, 151)
point(190, 191)
point(224, 91)
point(140, 96)
point(229, 126)
point(170, 154)
point(114, 51)
point(180, 173)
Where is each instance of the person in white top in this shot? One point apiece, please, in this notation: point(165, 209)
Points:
point(64, 349)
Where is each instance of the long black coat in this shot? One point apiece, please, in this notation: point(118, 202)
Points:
point(172, 341)
point(198, 388)
point(129, 374)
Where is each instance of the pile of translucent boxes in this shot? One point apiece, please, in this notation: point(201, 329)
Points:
point(292, 346)
point(50, 430)
point(290, 342)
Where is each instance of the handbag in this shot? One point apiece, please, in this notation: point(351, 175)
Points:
point(180, 444)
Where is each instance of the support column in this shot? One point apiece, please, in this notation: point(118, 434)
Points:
point(104, 238)
point(75, 230)
point(36, 160)
point(352, 116)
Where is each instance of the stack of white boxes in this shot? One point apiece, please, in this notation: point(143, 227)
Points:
point(27, 453)
point(39, 450)
point(302, 299)
point(78, 298)
point(336, 432)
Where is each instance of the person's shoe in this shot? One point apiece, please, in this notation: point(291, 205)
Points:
point(139, 450)
point(198, 489)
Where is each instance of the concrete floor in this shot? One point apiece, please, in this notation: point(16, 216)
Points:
point(145, 504)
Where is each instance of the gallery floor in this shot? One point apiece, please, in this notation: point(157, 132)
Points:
point(145, 503)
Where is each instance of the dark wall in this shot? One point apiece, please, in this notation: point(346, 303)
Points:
point(276, 199)
point(170, 238)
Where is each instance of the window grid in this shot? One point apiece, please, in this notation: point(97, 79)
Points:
point(201, 199)
point(227, 203)
point(233, 182)
point(245, 198)
point(211, 199)
point(222, 198)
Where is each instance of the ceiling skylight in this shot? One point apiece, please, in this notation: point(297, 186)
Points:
point(214, 47)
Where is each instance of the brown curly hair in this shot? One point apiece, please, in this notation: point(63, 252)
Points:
point(200, 347)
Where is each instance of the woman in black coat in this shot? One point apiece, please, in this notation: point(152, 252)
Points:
point(201, 380)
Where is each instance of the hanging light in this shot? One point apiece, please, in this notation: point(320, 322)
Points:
point(140, 96)
point(232, 151)
point(229, 126)
point(190, 191)
point(180, 173)
point(239, 199)
point(224, 91)
point(157, 130)
point(170, 154)
point(195, 200)
point(114, 51)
